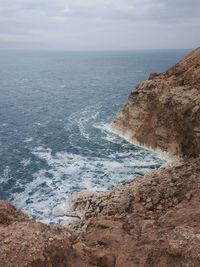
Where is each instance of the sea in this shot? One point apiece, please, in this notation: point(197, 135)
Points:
point(55, 113)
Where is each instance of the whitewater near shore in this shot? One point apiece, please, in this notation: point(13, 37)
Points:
point(152, 220)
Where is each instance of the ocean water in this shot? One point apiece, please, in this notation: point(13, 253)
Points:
point(55, 111)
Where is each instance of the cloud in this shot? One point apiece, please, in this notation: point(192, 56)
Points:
point(64, 23)
point(110, 9)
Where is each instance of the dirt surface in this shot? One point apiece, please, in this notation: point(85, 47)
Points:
point(152, 220)
point(27, 243)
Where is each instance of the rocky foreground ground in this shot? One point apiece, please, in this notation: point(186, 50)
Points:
point(153, 220)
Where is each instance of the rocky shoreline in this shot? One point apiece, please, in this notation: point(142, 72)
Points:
point(152, 220)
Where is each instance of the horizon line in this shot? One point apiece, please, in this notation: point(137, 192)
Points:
point(89, 50)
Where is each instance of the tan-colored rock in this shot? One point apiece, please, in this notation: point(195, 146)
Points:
point(162, 113)
point(27, 243)
point(167, 108)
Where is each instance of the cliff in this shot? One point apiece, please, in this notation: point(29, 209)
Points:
point(164, 111)
point(152, 220)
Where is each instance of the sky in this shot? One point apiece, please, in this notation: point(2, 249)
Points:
point(99, 24)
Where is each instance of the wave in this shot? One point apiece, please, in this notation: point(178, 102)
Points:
point(94, 158)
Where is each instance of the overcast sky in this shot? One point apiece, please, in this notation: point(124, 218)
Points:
point(99, 24)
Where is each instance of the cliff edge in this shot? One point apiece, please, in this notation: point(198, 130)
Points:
point(164, 111)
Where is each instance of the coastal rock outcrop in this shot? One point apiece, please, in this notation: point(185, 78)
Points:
point(164, 111)
point(152, 220)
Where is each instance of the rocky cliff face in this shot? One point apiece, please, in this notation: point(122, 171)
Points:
point(164, 111)
point(150, 221)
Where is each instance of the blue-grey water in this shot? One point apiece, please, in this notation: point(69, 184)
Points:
point(55, 110)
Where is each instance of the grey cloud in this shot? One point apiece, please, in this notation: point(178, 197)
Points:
point(110, 9)
point(90, 24)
